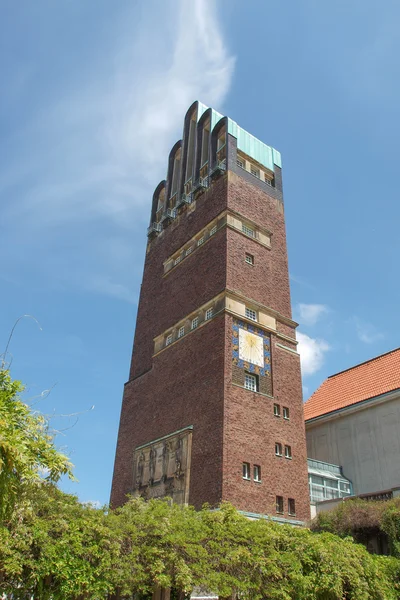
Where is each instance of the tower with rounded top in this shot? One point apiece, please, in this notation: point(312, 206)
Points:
point(212, 410)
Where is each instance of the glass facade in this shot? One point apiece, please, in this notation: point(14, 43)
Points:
point(327, 481)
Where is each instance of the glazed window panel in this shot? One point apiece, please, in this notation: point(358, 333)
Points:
point(257, 473)
point(209, 314)
point(248, 230)
point(251, 314)
point(246, 470)
point(279, 504)
point(278, 449)
point(181, 332)
point(195, 322)
point(250, 382)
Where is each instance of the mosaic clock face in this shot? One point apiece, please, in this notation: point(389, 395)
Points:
point(251, 347)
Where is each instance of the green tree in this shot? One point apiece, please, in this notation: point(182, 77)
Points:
point(27, 450)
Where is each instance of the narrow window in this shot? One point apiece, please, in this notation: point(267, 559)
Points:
point(248, 230)
point(176, 172)
point(240, 163)
point(200, 241)
point(291, 507)
point(205, 142)
point(257, 473)
point(191, 148)
point(278, 449)
point(288, 452)
point(168, 340)
point(221, 141)
point(251, 314)
point(286, 413)
point(195, 322)
point(181, 332)
point(277, 410)
point(249, 259)
point(213, 230)
point(251, 382)
point(254, 171)
point(267, 180)
point(246, 470)
point(188, 251)
point(209, 314)
point(177, 260)
point(279, 504)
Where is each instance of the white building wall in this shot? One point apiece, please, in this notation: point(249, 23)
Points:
point(364, 441)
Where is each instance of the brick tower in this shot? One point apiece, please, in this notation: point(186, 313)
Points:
point(213, 407)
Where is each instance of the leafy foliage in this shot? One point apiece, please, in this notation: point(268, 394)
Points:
point(54, 548)
point(361, 518)
point(26, 446)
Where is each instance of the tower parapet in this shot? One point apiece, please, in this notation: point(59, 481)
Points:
point(211, 144)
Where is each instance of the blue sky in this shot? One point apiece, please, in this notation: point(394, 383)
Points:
point(93, 97)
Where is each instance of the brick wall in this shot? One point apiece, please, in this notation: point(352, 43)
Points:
point(190, 382)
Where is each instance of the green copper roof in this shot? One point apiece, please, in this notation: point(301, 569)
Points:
point(247, 143)
point(253, 147)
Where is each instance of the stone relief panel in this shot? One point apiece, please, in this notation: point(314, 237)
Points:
point(162, 468)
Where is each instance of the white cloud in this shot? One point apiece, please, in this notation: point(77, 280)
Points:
point(312, 353)
point(366, 332)
point(309, 314)
point(77, 191)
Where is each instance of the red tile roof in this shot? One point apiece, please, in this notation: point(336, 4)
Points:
point(367, 380)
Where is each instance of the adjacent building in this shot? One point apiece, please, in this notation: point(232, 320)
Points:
point(212, 409)
point(353, 420)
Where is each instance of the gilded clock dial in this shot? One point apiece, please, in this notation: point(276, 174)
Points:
point(251, 348)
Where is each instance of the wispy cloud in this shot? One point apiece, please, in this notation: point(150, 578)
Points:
point(366, 332)
point(310, 314)
point(81, 173)
point(312, 353)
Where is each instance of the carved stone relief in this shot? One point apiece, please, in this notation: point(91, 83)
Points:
point(162, 468)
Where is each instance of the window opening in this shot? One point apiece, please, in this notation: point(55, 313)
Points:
point(251, 314)
point(209, 314)
point(248, 230)
point(279, 504)
point(246, 470)
point(291, 507)
point(250, 382)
